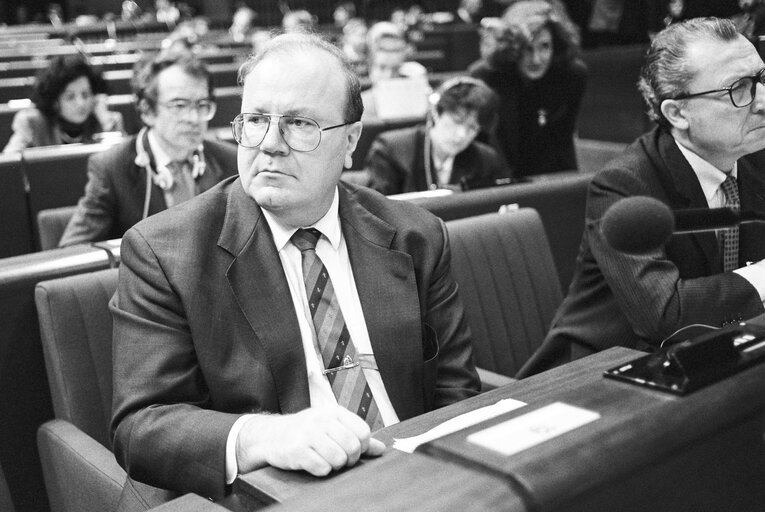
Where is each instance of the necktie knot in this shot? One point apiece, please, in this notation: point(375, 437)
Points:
point(306, 239)
point(730, 189)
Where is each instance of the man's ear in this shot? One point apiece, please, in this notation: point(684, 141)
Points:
point(354, 133)
point(674, 114)
point(145, 111)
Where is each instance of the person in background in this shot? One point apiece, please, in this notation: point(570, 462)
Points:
point(388, 51)
point(243, 24)
point(354, 45)
point(443, 152)
point(217, 354)
point(704, 85)
point(532, 64)
point(69, 99)
point(166, 163)
point(298, 20)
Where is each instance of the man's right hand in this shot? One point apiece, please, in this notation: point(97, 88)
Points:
point(317, 440)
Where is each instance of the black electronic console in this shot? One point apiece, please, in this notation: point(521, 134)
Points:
point(697, 362)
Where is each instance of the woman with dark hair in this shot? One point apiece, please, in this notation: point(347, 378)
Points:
point(530, 58)
point(69, 100)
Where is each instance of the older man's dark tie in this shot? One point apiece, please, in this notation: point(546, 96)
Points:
point(730, 236)
point(333, 341)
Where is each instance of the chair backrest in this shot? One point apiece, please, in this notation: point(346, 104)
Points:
point(26, 403)
point(51, 224)
point(16, 225)
point(508, 283)
point(560, 199)
point(76, 331)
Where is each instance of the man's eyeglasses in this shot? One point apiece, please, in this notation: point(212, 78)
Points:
point(179, 108)
point(299, 133)
point(741, 93)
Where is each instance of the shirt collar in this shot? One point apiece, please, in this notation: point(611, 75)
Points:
point(329, 225)
point(710, 177)
point(161, 158)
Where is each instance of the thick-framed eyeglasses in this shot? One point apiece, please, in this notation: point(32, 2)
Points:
point(741, 92)
point(299, 133)
point(181, 108)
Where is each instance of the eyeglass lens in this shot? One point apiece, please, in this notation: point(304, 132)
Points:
point(742, 92)
point(300, 133)
point(205, 108)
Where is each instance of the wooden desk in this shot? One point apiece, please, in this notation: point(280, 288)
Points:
point(648, 451)
point(269, 485)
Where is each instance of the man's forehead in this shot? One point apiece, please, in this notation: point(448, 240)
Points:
point(723, 61)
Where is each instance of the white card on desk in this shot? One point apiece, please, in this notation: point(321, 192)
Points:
point(525, 431)
point(468, 419)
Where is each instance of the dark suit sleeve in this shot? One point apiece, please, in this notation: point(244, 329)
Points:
point(162, 430)
point(649, 288)
point(96, 210)
point(456, 376)
point(386, 174)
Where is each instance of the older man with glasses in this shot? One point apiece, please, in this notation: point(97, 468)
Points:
point(284, 316)
point(168, 162)
point(703, 84)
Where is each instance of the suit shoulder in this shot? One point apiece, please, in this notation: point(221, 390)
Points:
point(203, 213)
point(397, 213)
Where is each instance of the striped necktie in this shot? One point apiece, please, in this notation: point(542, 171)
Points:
point(332, 340)
point(184, 187)
point(730, 236)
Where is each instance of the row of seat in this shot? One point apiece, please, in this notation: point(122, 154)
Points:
point(22, 367)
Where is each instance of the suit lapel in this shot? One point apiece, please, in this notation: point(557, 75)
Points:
point(752, 192)
point(258, 282)
point(387, 289)
point(687, 194)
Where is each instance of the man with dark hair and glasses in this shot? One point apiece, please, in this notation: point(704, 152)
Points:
point(284, 316)
point(166, 163)
point(703, 85)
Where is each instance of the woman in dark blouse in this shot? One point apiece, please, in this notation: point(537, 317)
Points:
point(529, 57)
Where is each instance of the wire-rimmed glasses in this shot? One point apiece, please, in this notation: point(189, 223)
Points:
point(299, 133)
point(179, 108)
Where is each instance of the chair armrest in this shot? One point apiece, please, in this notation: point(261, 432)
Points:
point(491, 380)
point(80, 473)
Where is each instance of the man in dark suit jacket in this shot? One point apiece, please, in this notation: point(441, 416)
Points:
point(215, 368)
point(711, 127)
point(135, 179)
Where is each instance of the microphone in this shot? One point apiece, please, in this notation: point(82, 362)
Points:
point(640, 224)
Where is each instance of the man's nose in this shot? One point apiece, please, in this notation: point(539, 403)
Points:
point(274, 142)
point(758, 105)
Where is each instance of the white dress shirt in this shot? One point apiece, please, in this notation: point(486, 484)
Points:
point(333, 252)
point(711, 179)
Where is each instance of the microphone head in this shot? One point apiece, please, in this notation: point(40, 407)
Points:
point(637, 224)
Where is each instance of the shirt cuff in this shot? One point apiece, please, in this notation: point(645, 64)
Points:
point(755, 274)
point(232, 468)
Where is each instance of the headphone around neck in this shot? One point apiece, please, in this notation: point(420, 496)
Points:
point(161, 176)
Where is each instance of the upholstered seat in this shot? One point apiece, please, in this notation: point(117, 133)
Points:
point(508, 283)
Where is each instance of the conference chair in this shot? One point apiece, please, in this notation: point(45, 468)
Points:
point(51, 224)
point(80, 471)
point(508, 283)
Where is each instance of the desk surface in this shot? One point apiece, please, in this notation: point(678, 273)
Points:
point(647, 448)
point(271, 485)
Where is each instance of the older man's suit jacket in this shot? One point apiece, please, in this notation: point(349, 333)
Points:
point(396, 163)
point(116, 191)
point(205, 329)
point(638, 301)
